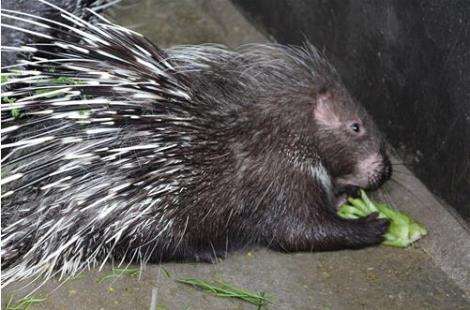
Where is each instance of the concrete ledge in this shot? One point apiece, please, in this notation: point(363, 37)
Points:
point(448, 242)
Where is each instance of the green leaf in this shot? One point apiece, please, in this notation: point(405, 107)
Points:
point(403, 230)
point(16, 113)
point(4, 78)
point(8, 100)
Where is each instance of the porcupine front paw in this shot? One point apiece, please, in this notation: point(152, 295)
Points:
point(368, 231)
point(339, 201)
point(341, 194)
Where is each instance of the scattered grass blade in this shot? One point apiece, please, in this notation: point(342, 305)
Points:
point(221, 289)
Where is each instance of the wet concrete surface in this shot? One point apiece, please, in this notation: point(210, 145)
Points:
point(433, 274)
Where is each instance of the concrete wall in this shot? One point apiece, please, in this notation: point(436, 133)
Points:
point(408, 62)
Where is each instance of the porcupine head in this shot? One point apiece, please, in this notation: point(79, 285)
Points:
point(349, 142)
point(317, 122)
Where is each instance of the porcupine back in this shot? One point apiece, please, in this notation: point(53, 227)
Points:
point(81, 153)
point(114, 137)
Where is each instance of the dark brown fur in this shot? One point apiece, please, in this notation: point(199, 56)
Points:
point(225, 149)
point(255, 186)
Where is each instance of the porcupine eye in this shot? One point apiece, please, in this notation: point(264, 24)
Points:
point(355, 127)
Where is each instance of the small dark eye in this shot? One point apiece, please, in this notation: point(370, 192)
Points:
point(355, 127)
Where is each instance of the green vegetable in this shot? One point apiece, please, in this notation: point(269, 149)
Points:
point(15, 112)
point(4, 78)
point(403, 230)
point(221, 289)
point(65, 80)
point(8, 100)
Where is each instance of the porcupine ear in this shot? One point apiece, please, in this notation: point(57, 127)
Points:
point(323, 110)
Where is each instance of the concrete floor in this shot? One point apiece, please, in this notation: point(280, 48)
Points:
point(375, 278)
point(433, 274)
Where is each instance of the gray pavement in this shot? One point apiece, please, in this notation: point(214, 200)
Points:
point(433, 274)
point(375, 278)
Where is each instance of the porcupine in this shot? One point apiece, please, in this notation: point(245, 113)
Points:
point(78, 7)
point(150, 155)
